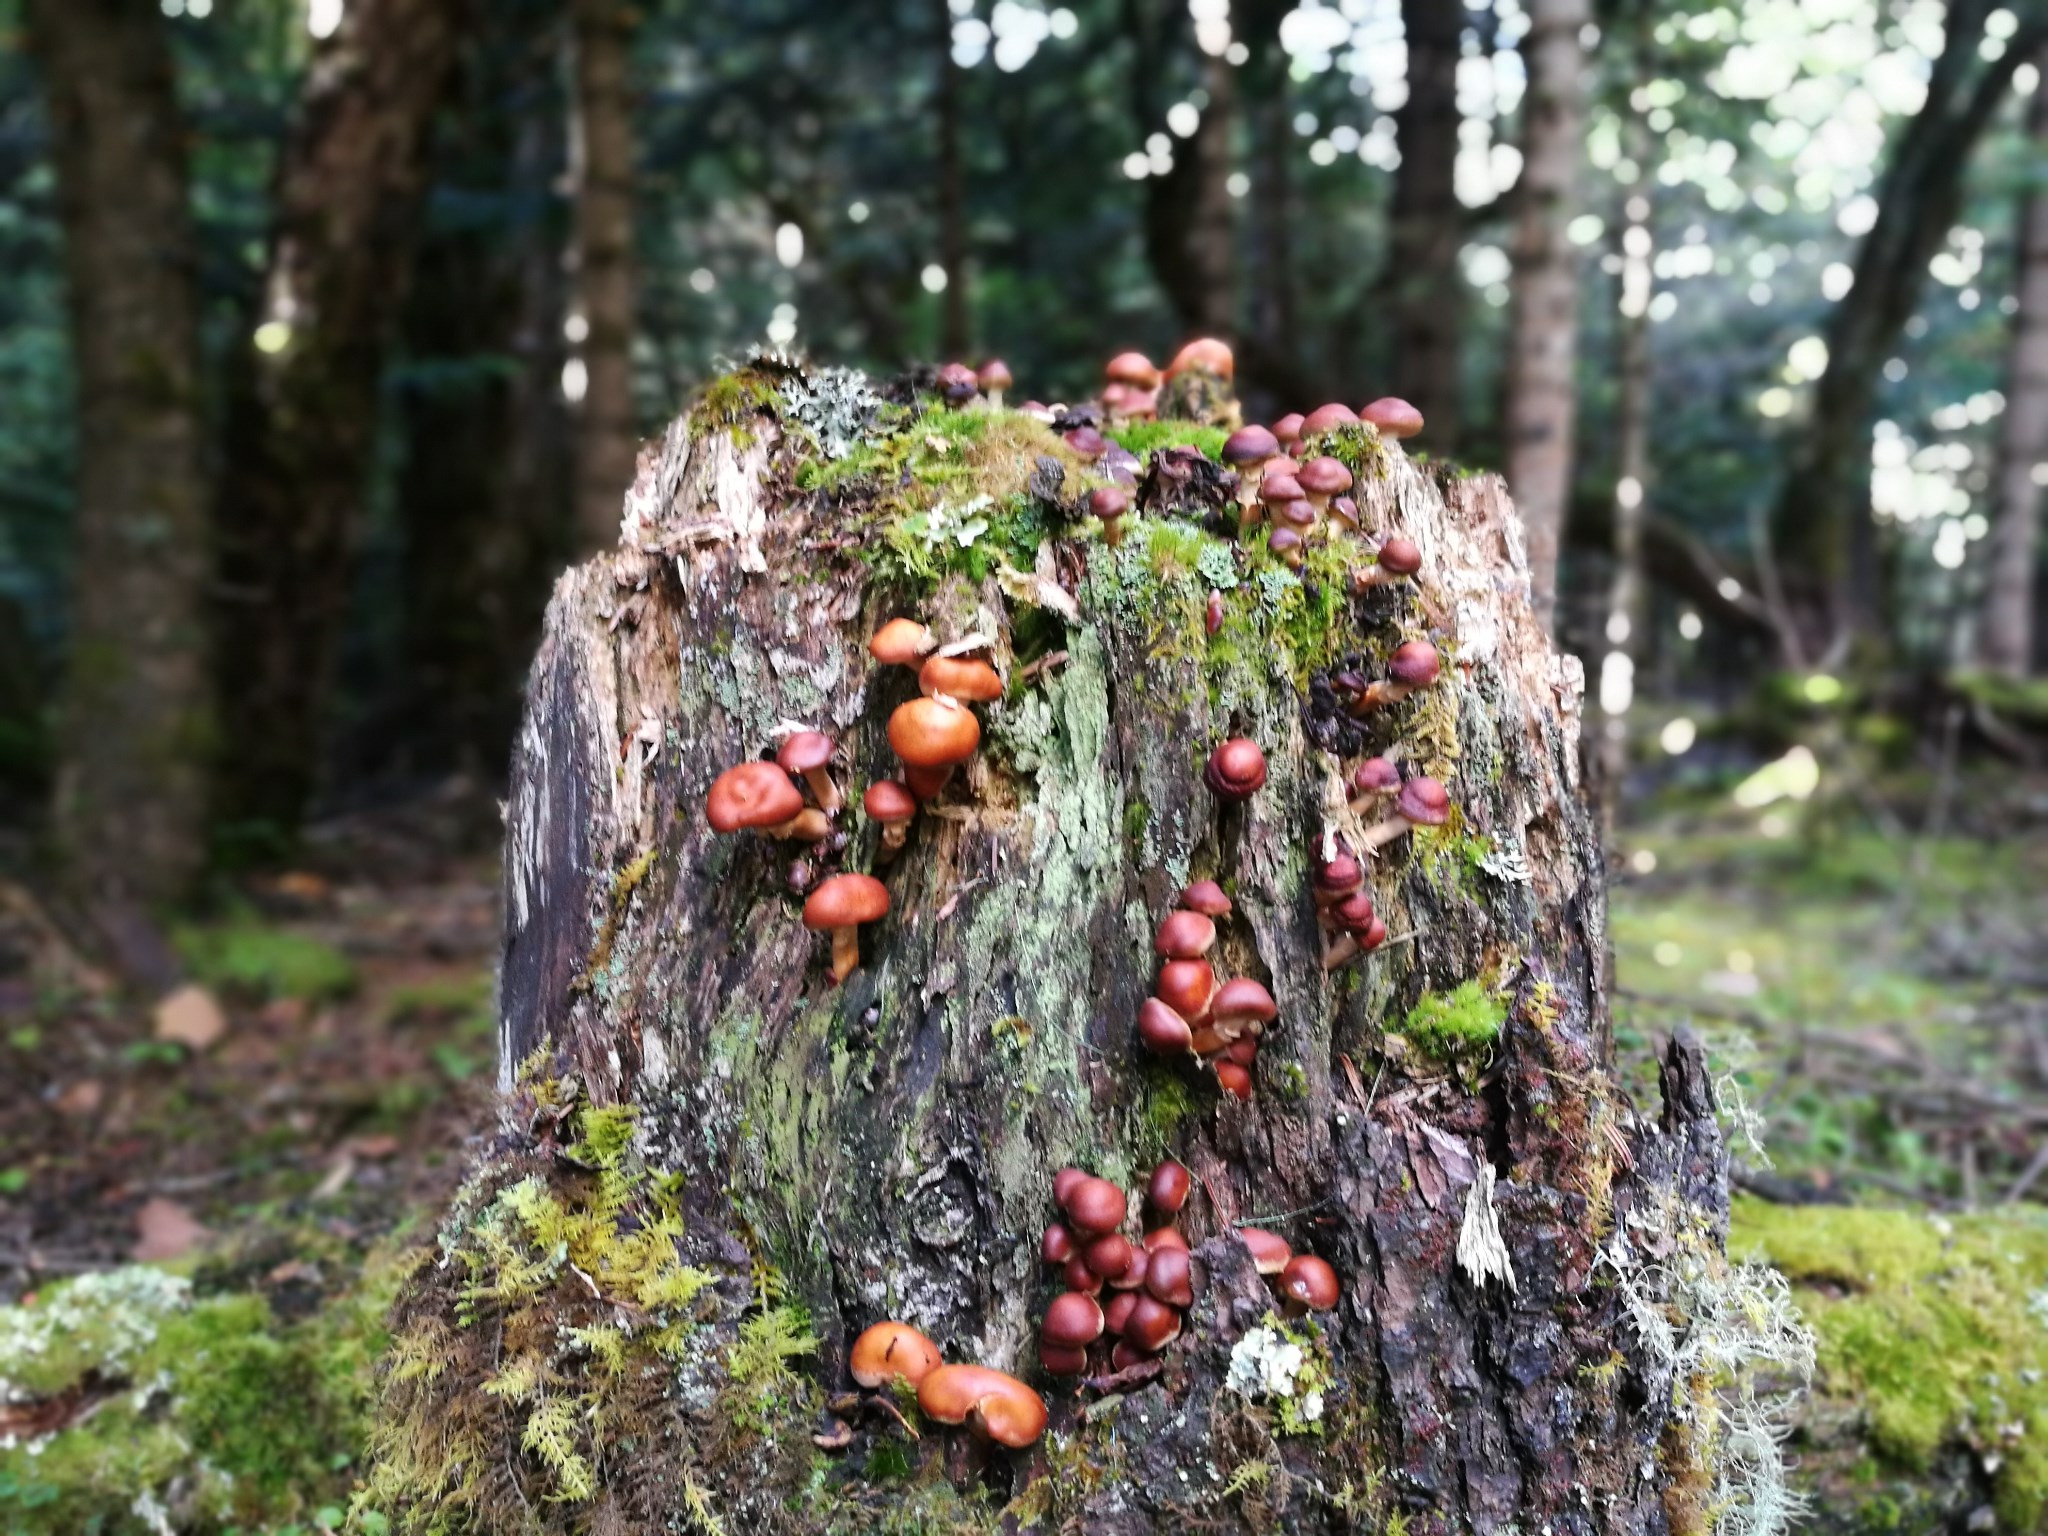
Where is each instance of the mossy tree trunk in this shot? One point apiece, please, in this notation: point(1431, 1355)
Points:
point(886, 1147)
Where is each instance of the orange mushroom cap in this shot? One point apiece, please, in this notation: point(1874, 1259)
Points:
point(1073, 1321)
point(931, 733)
point(1207, 354)
point(892, 1350)
point(1095, 1206)
point(960, 677)
point(802, 751)
point(1132, 368)
point(845, 901)
point(989, 1401)
point(901, 643)
point(1184, 935)
point(1309, 1281)
point(751, 795)
point(888, 801)
point(1393, 416)
point(1269, 1250)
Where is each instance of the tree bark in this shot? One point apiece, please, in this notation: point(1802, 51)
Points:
point(1427, 226)
point(136, 728)
point(1821, 530)
point(888, 1146)
point(303, 412)
point(607, 439)
point(2007, 643)
point(1544, 320)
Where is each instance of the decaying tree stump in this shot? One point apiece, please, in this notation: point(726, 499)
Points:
point(886, 1148)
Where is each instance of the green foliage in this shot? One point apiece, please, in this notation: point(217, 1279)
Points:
point(1460, 1022)
point(763, 1386)
point(1934, 1328)
point(1141, 437)
point(251, 957)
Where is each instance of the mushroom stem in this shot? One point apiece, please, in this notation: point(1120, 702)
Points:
point(1378, 696)
point(925, 783)
point(1341, 950)
point(894, 835)
point(1378, 837)
point(809, 825)
point(1360, 804)
point(823, 790)
point(1365, 577)
point(845, 951)
point(994, 397)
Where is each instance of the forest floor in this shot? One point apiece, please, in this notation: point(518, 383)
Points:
point(292, 1130)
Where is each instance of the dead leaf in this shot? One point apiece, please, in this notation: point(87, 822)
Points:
point(81, 1098)
point(190, 1017)
point(165, 1230)
point(337, 1178)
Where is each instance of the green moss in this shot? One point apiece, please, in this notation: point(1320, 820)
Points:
point(1356, 447)
point(1163, 1108)
point(1457, 1023)
point(207, 1403)
point(251, 957)
point(1934, 1328)
point(732, 401)
point(1141, 437)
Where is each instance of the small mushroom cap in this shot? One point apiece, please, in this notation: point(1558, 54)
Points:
point(1186, 986)
point(1063, 1184)
point(1249, 445)
point(1283, 540)
point(931, 733)
point(1184, 936)
point(1205, 897)
point(1109, 1255)
point(1167, 1190)
point(957, 384)
point(1234, 1080)
point(1236, 770)
point(1354, 913)
point(1117, 1311)
point(1423, 802)
point(960, 677)
point(1242, 1001)
point(892, 1351)
point(1058, 1245)
point(1310, 1281)
point(1324, 477)
point(1282, 465)
point(1088, 443)
point(1376, 775)
point(901, 643)
point(845, 900)
point(1415, 665)
point(1132, 1275)
point(1165, 1237)
point(1095, 1206)
point(1299, 515)
point(751, 795)
point(1061, 1362)
point(1269, 1250)
point(1345, 508)
point(1108, 502)
point(1077, 1276)
point(998, 1405)
point(1327, 418)
point(1400, 556)
point(1073, 1321)
point(1244, 1052)
point(1132, 368)
point(1123, 1356)
point(1162, 1031)
point(1207, 354)
point(1152, 1325)
point(1288, 427)
point(1373, 937)
point(1338, 878)
point(802, 751)
point(1394, 417)
point(1169, 1277)
point(887, 801)
point(994, 375)
point(1278, 488)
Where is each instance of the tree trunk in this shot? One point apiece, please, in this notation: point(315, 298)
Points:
point(1190, 233)
point(1821, 532)
point(886, 1147)
point(954, 338)
point(131, 788)
point(607, 440)
point(1544, 318)
point(303, 411)
point(1427, 226)
point(2007, 644)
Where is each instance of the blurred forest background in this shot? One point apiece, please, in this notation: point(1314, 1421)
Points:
point(330, 329)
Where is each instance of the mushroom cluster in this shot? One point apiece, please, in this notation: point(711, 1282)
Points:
point(1149, 1283)
point(1305, 1282)
point(993, 1404)
point(1189, 1014)
point(1344, 910)
point(935, 732)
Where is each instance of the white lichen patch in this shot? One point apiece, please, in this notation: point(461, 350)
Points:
point(1277, 1366)
point(98, 1321)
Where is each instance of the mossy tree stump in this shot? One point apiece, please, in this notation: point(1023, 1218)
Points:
point(886, 1148)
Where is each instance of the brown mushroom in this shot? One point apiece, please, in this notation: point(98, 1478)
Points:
point(891, 1351)
point(994, 378)
point(1117, 1311)
point(1286, 544)
point(1132, 1275)
point(1073, 1321)
point(960, 677)
point(1327, 418)
point(1058, 1245)
point(958, 385)
point(1371, 782)
point(1269, 1250)
point(1399, 559)
point(1151, 1325)
point(1207, 355)
point(1186, 986)
point(1246, 452)
point(993, 1404)
point(1095, 1207)
point(1184, 935)
point(809, 753)
point(1288, 428)
point(902, 643)
point(1108, 504)
point(1309, 1284)
point(1165, 1237)
point(1234, 1080)
point(1168, 1278)
point(931, 736)
point(1320, 479)
point(891, 806)
point(839, 906)
point(1077, 1276)
point(1336, 878)
point(1133, 370)
point(1061, 1362)
point(1205, 897)
point(760, 797)
point(1167, 1190)
point(1393, 417)
point(1063, 1184)
point(1422, 802)
point(1162, 1031)
point(1242, 1007)
point(1410, 669)
point(1236, 770)
point(1108, 1255)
